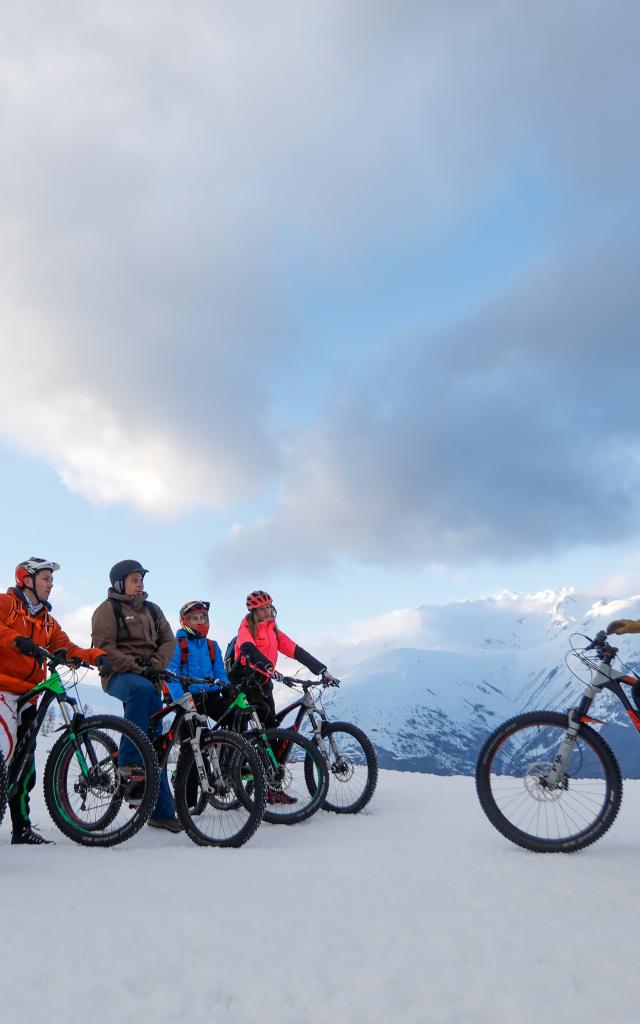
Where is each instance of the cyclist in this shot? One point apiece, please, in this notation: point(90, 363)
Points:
point(257, 646)
point(197, 656)
point(140, 643)
point(256, 654)
point(26, 624)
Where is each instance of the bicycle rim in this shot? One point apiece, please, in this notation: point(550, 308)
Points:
point(513, 787)
point(90, 797)
point(291, 797)
point(230, 813)
point(352, 767)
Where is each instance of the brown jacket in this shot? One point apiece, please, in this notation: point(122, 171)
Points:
point(133, 636)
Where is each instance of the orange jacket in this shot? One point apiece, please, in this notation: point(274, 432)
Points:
point(19, 673)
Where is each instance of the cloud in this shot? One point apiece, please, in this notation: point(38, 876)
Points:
point(169, 177)
point(506, 437)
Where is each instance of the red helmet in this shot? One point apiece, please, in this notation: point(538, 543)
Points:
point(202, 628)
point(258, 599)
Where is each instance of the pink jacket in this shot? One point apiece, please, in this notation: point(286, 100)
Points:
point(269, 640)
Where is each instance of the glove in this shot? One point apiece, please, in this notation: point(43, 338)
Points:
point(143, 661)
point(104, 666)
point(329, 679)
point(27, 647)
point(620, 626)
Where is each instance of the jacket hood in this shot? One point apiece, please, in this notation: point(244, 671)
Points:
point(135, 600)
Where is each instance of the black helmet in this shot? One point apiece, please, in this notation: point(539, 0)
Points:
point(121, 570)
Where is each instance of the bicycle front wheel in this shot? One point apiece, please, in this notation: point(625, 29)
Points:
point(352, 765)
point(3, 787)
point(291, 798)
point(92, 798)
point(231, 811)
point(512, 781)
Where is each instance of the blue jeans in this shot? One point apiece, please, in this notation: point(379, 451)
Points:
point(141, 700)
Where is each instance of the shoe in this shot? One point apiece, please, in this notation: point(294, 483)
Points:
point(278, 796)
point(170, 824)
point(27, 836)
point(132, 780)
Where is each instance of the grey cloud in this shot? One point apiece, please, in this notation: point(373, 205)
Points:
point(511, 436)
point(164, 168)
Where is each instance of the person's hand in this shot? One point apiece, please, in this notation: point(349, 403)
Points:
point(104, 666)
point(621, 626)
point(329, 679)
point(143, 661)
point(27, 647)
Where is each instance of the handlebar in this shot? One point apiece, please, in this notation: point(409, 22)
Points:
point(601, 644)
point(306, 684)
point(210, 684)
point(59, 658)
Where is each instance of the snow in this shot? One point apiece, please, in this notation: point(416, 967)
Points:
point(414, 911)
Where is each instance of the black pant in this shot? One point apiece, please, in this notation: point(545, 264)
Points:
point(19, 802)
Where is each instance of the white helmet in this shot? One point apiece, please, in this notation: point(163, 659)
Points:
point(32, 566)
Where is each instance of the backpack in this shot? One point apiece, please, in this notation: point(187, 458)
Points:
point(230, 657)
point(121, 622)
point(184, 651)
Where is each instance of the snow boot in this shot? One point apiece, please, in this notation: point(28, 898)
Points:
point(27, 836)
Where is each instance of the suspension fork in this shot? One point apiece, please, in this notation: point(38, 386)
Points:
point(70, 722)
point(257, 724)
point(559, 763)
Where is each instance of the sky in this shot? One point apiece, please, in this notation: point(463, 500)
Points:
point(333, 300)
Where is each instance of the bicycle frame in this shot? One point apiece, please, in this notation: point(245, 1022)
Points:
point(308, 708)
point(191, 724)
point(51, 690)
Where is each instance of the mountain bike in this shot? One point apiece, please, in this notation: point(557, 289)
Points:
point(296, 774)
point(548, 781)
point(220, 788)
point(3, 787)
point(348, 752)
point(87, 792)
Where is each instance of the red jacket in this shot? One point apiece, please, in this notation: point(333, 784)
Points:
point(19, 673)
point(269, 640)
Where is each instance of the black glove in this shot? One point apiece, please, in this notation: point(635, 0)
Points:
point(104, 666)
point(143, 661)
point(27, 647)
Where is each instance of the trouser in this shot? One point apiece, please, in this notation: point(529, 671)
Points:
point(262, 697)
point(141, 700)
point(19, 802)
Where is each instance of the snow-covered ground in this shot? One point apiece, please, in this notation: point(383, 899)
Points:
point(414, 911)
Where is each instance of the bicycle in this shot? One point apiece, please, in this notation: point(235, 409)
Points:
point(3, 787)
point(348, 752)
point(548, 781)
point(297, 778)
point(220, 788)
point(88, 794)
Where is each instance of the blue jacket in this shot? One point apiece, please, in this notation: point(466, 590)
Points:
point(198, 664)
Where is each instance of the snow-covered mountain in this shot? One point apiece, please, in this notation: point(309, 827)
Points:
point(429, 696)
point(430, 708)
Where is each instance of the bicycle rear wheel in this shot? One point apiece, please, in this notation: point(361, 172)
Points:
point(3, 787)
point(231, 812)
point(90, 797)
point(294, 791)
point(515, 794)
point(353, 768)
